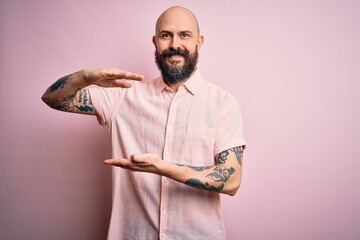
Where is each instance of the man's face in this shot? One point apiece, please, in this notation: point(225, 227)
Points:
point(177, 42)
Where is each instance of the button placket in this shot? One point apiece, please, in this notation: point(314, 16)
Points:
point(169, 139)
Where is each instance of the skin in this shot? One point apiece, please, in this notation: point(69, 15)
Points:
point(176, 28)
point(224, 177)
point(67, 93)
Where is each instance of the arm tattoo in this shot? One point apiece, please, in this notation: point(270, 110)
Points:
point(59, 83)
point(239, 152)
point(221, 174)
point(85, 108)
point(142, 165)
point(198, 184)
point(68, 106)
point(70, 97)
point(198, 169)
point(85, 100)
point(55, 104)
point(222, 157)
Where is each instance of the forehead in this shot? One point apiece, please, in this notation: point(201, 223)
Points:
point(176, 20)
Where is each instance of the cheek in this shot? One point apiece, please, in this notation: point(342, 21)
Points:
point(191, 47)
point(161, 46)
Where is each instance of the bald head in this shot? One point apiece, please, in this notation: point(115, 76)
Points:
point(178, 17)
point(177, 41)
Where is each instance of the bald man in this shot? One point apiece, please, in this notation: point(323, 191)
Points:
point(177, 140)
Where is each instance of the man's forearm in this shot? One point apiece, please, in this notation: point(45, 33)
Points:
point(62, 93)
point(212, 178)
point(225, 177)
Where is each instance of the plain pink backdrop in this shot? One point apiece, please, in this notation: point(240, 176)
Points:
point(293, 66)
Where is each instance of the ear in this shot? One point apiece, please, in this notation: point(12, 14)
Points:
point(200, 42)
point(154, 40)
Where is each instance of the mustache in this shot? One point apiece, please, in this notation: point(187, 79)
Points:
point(171, 52)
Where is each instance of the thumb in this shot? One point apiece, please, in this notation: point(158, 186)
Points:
point(136, 158)
point(121, 83)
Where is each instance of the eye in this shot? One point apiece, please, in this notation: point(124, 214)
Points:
point(165, 35)
point(185, 35)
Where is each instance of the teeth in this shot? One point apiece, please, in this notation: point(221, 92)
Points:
point(175, 62)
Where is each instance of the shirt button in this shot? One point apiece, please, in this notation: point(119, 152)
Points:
point(166, 153)
point(170, 127)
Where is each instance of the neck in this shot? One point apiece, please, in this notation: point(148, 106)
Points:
point(175, 86)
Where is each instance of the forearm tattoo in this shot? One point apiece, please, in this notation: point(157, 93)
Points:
point(67, 105)
point(198, 169)
point(62, 106)
point(206, 186)
point(219, 173)
point(60, 83)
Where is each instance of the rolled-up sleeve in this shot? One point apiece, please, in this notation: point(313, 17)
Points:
point(105, 102)
point(230, 132)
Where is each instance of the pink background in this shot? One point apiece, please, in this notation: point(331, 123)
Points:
point(293, 66)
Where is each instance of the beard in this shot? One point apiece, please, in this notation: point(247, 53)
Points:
point(172, 73)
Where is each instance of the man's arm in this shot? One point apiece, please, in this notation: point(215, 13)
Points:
point(69, 94)
point(224, 177)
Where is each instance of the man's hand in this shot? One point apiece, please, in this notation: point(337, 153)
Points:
point(110, 77)
point(138, 162)
point(224, 177)
point(68, 93)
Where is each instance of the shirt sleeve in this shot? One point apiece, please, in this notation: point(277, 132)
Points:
point(230, 130)
point(105, 102)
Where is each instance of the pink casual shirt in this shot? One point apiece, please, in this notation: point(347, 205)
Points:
point(188, 127)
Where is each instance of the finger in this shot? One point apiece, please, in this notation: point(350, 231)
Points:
point(120, 74)
point(137, 158)
point(123, 163)
point(127, 164)
point(121, 84)
point(134, 76)
point(114, 162)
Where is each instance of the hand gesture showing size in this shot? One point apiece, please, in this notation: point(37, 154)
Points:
point(111, 77)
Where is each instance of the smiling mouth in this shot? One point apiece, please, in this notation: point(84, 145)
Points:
point(175, 62)
point(175, 59)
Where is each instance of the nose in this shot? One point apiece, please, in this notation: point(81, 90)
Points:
point(175, 43)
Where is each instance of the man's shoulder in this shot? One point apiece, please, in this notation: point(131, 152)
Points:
point(216, 92)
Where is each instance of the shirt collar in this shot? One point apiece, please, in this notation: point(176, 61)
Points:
point(192, 84)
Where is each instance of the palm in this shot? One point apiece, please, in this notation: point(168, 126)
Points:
point(112, 78)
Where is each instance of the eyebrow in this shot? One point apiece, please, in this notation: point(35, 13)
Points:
point(186, 31)
point(169, 32)
point(164, 31)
